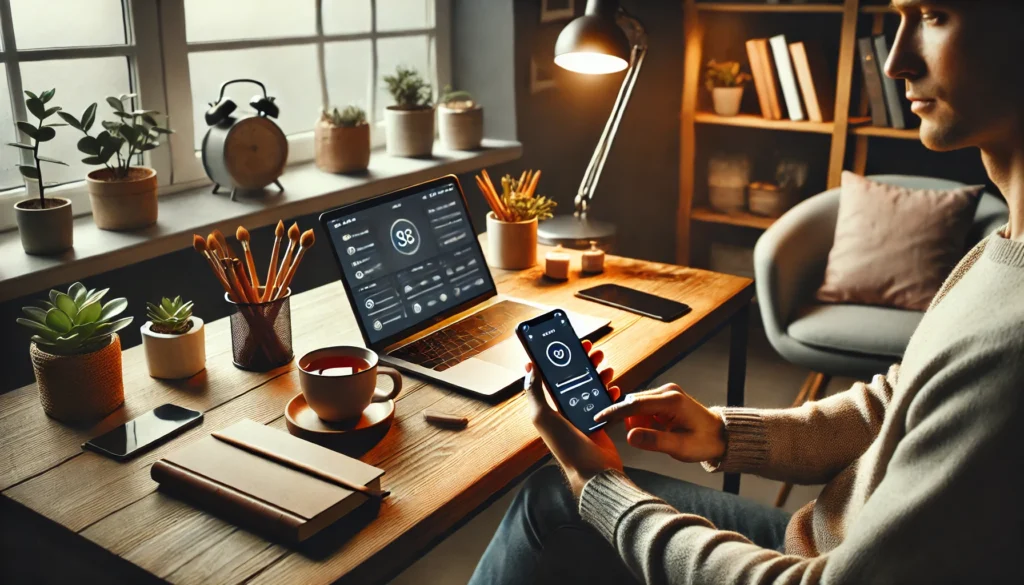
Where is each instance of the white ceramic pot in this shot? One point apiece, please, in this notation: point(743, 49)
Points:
point(409, 132)
point(511, 245)
point(727, 100)
point(123, 204)
point(340, 149)
point(45, 231)
point(460, 129)
point(174, 357)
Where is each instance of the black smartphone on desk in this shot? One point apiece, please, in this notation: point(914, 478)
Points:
point(144, 432)
point(558, 358)
point(635, 301)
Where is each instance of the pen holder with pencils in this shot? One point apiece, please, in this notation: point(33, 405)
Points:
point(261, 333)
point(511, 245)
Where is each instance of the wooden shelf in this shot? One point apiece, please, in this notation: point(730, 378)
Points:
point(906, 134)
point(788, 8)
point(743, 219)
point(877, 10)
point(753, 121)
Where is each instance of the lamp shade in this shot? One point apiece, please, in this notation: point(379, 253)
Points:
point(593, 43)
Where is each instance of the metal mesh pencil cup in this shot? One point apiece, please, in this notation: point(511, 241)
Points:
point(261, 334)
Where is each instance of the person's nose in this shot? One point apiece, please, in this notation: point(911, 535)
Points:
point(905, 60)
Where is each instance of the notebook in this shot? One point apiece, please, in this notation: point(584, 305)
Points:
point(787, 77)
point(260, 493)
point(815, 83)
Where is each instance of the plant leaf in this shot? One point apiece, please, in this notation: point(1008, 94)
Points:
point(149, 146)
point(163, 130)
point(113, 327)
point(89, 145)
point(30, 94)
point(35, 313)
point(167, 304)
point(51, 111)
point(95, 160)
point(88, 117)
point(38, 327)
point(20, 145)
point(28, 129)
point(67, 306)
point(47, 95)
point(45, 134)
point(58, 321)
point(36, 106)
point(71, 120)
point(77, 291)
point(113, 309)
point(89, 313)
point(129, 133)
point(52, 160)
point(148, 120)
point(116, 104)
point(56, 125)
point(29, 172)
point(95, 296)
point(127, 96)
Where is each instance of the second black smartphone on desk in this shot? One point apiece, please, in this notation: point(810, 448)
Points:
point(635, 301)
point(560, 361)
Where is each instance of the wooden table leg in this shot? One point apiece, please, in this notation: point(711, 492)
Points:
point(737, 378)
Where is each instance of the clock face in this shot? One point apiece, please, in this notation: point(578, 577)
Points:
point(255, 152)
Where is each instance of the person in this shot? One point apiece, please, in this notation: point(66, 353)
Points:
point(922, 466)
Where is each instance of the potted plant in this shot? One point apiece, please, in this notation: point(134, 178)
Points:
point(460, 120)
point(123, 196)
point(725, 82)
point(173, 340)
point(76, 353)
point(341, 140)
point(409, 123)
point(44, 223)
point(512, 221)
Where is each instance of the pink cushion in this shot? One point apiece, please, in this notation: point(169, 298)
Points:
point(895, 246)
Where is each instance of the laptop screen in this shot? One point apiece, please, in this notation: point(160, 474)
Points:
point(408, 256)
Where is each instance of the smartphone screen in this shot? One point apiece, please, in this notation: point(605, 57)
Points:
point(145, 431)
point(559, 359)
point(635, 301)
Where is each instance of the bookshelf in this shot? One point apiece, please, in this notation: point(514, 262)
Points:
point(844, 127)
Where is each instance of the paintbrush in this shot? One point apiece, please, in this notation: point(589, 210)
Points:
point(533, 184)
point(306, 242)
point(293, 241)
point(226, 250)
point(274, 256)
point(200, 245)
point(242, 235)
point(252, 294)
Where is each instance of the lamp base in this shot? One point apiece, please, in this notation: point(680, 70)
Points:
point(573, 232)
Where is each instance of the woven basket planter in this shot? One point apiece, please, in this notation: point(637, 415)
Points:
point(81, 387)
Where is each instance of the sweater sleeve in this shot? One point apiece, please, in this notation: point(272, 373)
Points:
point(947, 510)
point(808, 444)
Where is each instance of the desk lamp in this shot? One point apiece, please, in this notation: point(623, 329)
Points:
point(606, 39)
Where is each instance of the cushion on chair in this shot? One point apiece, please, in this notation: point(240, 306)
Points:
point(894, 246)
point(875, 331)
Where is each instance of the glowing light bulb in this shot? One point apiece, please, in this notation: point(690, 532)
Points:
point(590, 62)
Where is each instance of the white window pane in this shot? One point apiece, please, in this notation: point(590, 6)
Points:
point(9, 156)
point(404, 14)
point(349, 75)
point(391, 52)
point(221, 20)
point(288, 72)
point(67, 23)
point(79, 82)
point(347, 16)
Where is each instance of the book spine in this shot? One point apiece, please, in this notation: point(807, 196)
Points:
point(872, 82)
point(787, 78)
point(893, 104)
point(803, 74)
point(770, 78)
point(759, 82)
point(227, 502)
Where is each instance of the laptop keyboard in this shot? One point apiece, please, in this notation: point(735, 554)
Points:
point(464, 339)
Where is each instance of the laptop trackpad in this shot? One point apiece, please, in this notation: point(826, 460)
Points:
point(483, 376)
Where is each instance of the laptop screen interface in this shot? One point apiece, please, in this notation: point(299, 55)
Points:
point(409, 259)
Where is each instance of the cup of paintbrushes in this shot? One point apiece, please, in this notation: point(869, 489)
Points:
point(261, 333)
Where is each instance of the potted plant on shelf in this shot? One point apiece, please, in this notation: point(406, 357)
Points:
point(460, 120)
point(409, 123)
point(44, 223)
point(76, 353)
point(512, 221)
point(725, 82)
point(341, 140)
point(174, 340)
point(123, 196)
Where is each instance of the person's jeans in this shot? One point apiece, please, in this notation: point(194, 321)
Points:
point(543, 540)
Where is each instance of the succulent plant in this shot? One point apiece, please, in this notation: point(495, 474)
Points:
point(349, 117)
point(456, 100)
point(39, 133)
point(75, 322)
point(522, 203)
point(171, 317)
point(726, 74)
point(409, 90)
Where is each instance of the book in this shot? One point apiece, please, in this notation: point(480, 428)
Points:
point(250, 489)
point(872, 82)
point(771, 82)
point(893, 103)
point(816, 85)
point(787, 77)
point(760, 84)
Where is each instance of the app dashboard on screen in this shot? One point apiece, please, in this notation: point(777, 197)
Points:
point(566, 368)
point(410, 259)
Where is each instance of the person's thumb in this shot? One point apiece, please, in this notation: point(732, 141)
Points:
point(651, 440)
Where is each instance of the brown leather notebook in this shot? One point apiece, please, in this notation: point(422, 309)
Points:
point(270, 497)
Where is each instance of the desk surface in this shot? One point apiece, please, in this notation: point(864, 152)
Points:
point(436, 476)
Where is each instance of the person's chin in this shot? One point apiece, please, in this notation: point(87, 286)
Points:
point(939, 137)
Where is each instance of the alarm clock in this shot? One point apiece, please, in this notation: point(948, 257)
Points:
point(244, 150)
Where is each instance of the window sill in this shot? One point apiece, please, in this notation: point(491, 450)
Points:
point(307, 190)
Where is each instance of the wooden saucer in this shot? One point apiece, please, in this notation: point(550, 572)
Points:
point(348, 437)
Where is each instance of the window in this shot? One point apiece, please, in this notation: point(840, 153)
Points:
point(175, 54)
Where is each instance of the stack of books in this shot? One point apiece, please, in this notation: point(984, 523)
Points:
point(792, 80)
point(884, 95)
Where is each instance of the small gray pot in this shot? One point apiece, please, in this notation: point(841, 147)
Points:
point(45, 231)
point(409, 132)
point(461, 129)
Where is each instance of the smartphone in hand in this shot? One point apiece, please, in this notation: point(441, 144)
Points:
point(558, 357)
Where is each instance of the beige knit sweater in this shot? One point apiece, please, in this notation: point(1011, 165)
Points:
point(923, 467)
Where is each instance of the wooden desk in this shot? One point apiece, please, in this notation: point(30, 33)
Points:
point(437, 476)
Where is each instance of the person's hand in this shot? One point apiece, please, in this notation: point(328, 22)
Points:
point(668, 420)
point(581, 456)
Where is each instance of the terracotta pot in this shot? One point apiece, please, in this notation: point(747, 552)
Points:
point(79, 387)
point(727, 100)
point(126, 204)
point(511, 245)
point(409, 132)
point(45, 231)
point(340, 149)
point(461, 129)
point(174, 357)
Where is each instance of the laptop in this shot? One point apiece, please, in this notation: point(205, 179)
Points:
point(421, 291)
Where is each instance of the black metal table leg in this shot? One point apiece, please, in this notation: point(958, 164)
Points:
point(737, 377)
